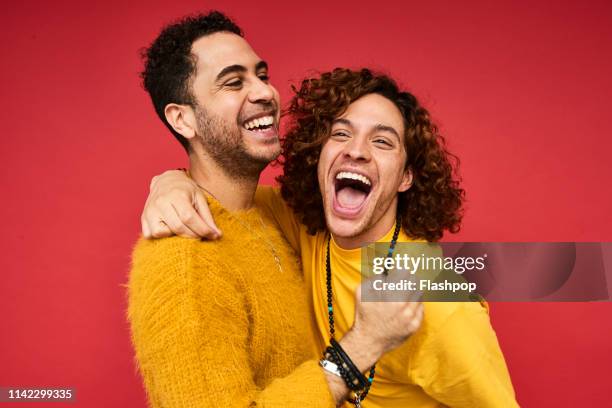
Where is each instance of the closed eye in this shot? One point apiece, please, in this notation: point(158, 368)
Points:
point(383, 142)
point(234, 83)
point(340, 134)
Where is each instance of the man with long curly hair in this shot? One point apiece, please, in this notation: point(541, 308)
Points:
point(362, 162)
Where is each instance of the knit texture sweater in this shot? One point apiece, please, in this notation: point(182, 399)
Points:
point(219, 324)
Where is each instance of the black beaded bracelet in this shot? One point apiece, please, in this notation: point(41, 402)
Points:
point(363, 381)
point(347, 375)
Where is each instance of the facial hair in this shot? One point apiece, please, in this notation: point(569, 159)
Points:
point(224, 144)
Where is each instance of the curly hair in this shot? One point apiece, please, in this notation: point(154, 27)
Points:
point(169, 63)
point(434, 201)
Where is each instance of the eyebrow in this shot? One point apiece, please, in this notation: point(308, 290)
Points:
point(343, 122)
point(379, 127)
point(261, 65)
point(237, 68)
point(385, 128)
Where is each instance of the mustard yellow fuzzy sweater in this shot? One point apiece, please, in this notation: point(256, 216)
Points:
point(217, 324)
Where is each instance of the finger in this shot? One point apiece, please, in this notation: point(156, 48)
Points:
point(153, 182)
point(204, 211)
point(191, 219)
point(149, 218)
point(415, 318)
point(160, 230)
point(414, 307)
point(369, 293)
point(176, 224)
point(144, 225)
point(419, 315)
point(172, 220)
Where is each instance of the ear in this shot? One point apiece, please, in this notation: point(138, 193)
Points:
point(182, 119)
point(406, 181)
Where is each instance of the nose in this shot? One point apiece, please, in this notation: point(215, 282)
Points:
point(357, 149)
point(261, 92)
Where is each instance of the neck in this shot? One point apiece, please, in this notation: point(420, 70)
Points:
point(233, 193)
point(372, 234)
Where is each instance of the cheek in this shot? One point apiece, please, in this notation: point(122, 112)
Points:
point(392, 172)
point(228, 108)
point(321, 170)
point(325, 162)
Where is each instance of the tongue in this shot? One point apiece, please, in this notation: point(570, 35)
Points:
point(349, 197)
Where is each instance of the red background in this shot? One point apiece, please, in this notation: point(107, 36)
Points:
point(520, 89)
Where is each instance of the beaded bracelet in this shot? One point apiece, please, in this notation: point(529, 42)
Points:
point(363, 381)
point(348, 375)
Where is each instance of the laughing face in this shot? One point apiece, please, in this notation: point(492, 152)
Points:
point(237, 108)
point(361, 170)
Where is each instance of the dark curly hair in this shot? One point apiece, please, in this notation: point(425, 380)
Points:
point(169, 63)
point(434, 201)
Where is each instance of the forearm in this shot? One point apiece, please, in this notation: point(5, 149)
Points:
point(305, 383)
point(308, 385)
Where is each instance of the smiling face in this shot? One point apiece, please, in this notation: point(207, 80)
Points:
point(237, 108)
point(361, 170)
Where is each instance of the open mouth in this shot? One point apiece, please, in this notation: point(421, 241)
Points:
point(352, 191)
point(260, 124)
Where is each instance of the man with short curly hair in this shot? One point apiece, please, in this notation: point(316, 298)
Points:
point(363, 163)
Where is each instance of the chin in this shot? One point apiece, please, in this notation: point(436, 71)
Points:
point(345, 228)
point(265, 153)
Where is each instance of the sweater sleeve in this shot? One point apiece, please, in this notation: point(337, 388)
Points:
point(463, 365)
point(192, 336)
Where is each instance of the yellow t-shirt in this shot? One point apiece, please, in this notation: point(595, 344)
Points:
point(454, 359)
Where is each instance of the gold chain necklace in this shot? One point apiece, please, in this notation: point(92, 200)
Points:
point(264, 238)
point(248, 227)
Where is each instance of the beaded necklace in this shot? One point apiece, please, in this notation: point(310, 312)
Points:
point(360, 396)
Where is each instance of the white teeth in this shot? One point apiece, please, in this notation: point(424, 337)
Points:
point(265, 121)
point(353, 176)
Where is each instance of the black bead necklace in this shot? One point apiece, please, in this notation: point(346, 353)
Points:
point(330, 306)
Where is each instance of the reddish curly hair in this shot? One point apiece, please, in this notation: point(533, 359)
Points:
point(434, 201)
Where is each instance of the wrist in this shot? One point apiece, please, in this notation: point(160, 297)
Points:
point(170, 176)
point(363, 350)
